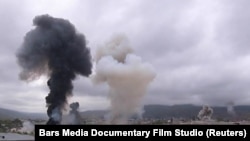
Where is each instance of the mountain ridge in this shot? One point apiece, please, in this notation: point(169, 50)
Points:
point(154, 111)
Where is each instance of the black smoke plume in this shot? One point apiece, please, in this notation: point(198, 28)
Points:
point(74, 113)
point(54, 48)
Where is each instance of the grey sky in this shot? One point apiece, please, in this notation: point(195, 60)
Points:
point(200, 49)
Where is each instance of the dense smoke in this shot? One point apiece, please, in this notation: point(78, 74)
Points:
point(27, 127)
point(127, 76)
point(74, 115)
point(54, 48)
point(205, 113)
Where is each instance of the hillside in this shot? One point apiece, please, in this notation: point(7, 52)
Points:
point(187, 111)
point(191, 111)
point(150, 111)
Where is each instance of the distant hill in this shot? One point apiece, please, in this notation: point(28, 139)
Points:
point(191, 111)
point(11, 114)
point(150, 111)
point(165, 111)
point(187, 111)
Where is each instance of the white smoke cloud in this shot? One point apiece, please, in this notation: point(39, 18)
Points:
point(205, 113)
point(230, 108)
point(118, 47)
point(127, 76)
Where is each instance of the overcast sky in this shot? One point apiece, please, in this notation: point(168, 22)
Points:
point(200, 49)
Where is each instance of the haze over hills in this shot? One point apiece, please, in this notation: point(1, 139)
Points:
point(12, 114)
point(191, 111)
point(187, 111)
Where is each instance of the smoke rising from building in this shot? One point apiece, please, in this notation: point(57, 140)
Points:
point(127, 76)
point(27, 127)
point(205, 113)
point(74, 115)
point(230, 108)
point(54, 48)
